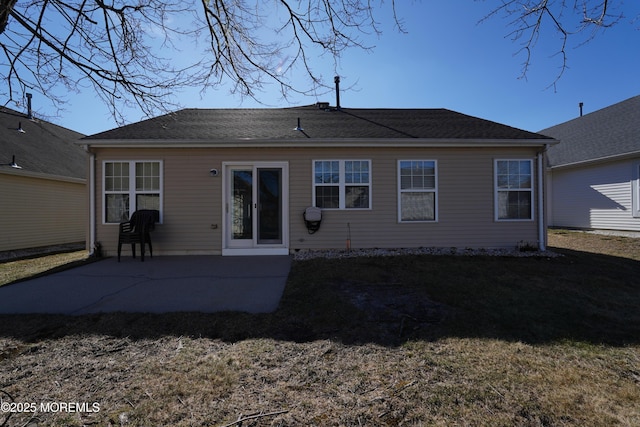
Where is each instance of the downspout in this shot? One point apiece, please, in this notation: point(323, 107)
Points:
point(92, 201)
point(541, 219)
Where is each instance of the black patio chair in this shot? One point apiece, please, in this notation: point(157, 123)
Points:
point(137, 230)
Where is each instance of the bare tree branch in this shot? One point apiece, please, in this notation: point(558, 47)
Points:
point(128, 51)
point(124, 50)
point(568, 20)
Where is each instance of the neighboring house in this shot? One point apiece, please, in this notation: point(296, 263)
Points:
point(237, 181)
point(595, 169)
point(43, 191)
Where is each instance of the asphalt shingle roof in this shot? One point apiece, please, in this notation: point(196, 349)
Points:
point(611, 131)
point(279, 124)
point(42, 148)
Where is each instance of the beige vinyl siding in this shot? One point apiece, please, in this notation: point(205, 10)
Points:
point(465, 206)
point(39, 212)
point(596, 196)
point(191, 202)
point(193, 214)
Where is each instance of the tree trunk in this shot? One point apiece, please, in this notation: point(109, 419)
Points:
point(6, 6)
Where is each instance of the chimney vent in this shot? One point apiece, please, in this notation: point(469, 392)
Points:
point(580, 105)
point(322, 105)
point(29, 113)
point(337, 81)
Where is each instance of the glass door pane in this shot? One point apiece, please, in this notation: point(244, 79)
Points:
point(241, 204)
point(269, 194)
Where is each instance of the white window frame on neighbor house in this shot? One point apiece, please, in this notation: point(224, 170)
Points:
point(511, 181)
point(635, 191)
point(340, 175)
point(417, 183)
point(134, 185)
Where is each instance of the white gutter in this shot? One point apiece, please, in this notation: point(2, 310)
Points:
point(39, 175)
point(541, 225)
point(320, 142)
point(622, 156)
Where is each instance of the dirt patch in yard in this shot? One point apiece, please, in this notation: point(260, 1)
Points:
point(395, 309)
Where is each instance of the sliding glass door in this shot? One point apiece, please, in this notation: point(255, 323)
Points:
point(255, 206)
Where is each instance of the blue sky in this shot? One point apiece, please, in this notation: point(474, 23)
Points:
point(445, 60)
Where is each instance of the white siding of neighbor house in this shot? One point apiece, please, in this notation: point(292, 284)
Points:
point(598, 196)
point(193, 215)
point(39, 212)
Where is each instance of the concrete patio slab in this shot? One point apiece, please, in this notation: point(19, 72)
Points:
point(158, 285)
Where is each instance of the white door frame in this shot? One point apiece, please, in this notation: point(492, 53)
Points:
point(252, 246)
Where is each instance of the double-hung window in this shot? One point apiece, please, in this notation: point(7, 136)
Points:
point(417, 190)
point(342, 184)
point(514, 189)
point(130, 186)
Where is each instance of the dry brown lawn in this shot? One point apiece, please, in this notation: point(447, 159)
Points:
point(30, 267)
point(412, 340)
point(614, 245)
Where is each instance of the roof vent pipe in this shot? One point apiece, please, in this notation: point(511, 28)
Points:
point(337, 81)
point(580, 105)
point(29, 114)
point(13, 163)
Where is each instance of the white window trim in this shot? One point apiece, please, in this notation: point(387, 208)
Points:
point(413, 190)
point(341, 183)
point(496, 191)
point(635, 189)
point(132, 187)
